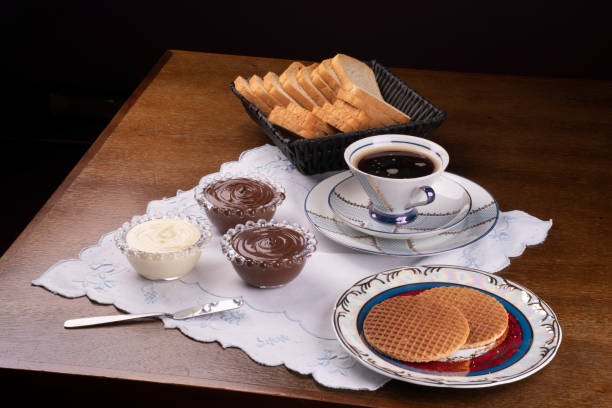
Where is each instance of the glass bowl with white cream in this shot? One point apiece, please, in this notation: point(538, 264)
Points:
point(163, 246)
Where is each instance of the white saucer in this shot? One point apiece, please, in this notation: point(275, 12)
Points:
point(479, 221)
point(350, 203)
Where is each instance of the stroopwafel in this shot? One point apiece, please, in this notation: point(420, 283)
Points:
point(414, 329)
point(487, 318)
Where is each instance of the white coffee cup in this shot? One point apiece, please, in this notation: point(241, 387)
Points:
point(393, 200)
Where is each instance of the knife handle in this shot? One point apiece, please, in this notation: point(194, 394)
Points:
point(92, 321)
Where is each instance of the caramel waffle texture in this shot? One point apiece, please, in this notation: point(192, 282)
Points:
point(415, 329)
point(487, 318)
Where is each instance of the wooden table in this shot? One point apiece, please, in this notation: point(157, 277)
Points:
point(538, 145)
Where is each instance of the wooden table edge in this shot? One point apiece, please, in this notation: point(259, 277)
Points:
point(337, 396)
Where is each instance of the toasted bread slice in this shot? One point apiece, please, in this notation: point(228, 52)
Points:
point(353, 115)
point(288, 80)
point(325, 114)
point(257, 86)
point(381, 112)
point(322, 86)
point(352, 72)
point(293, 118)
point(243, 87)
point(303, 78)
point(308, 121)
point(328, 75)
point(331, 115)
point(280, 117)
point(275, 89)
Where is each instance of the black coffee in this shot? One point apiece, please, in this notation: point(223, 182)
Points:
point(399, 164)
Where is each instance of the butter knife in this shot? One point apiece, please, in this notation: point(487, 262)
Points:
point(194, 311)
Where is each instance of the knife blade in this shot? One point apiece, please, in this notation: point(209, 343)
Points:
point(209, 308)
point(194, 311)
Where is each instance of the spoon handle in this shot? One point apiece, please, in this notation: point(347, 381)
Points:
point(92, 321)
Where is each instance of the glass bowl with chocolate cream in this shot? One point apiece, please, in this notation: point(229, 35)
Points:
point(163, 246)
point(268, 254)
point(231, 199)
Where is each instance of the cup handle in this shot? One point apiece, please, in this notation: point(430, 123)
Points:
point(431, 196)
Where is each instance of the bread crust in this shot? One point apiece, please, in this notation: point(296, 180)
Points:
point(322, 86)
point(309, 121)
point(242, 86)
point(380, 111)
point(288, 80)
point(345, 66)
point(328, 75)
point(280, 117)
point(331, 115)
point(275, 89)
point(257, 86)
point(365, 95)
point(303, 78)
point(321, 99)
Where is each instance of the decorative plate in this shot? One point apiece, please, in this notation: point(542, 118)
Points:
point(349, 202)
point(533, 338)
point(479, 222)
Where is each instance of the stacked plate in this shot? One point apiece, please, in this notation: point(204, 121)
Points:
point(462, 213)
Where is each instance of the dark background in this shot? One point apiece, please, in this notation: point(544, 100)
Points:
point(69, 65)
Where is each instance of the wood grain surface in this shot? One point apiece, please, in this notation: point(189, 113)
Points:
point(538, 145)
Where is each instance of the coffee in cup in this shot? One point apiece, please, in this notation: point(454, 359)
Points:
point(396, 172)
point(399, 162)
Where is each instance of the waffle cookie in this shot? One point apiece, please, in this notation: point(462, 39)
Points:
point(487, 318)
point(415, 329)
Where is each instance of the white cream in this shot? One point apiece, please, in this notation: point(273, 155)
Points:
point(163, 235)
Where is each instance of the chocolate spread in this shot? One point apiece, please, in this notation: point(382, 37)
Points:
point(268, 244)
point(269, 252)
point(238, 200)
point(239, 193)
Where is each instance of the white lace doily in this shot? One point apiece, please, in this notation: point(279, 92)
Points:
point(293, 327)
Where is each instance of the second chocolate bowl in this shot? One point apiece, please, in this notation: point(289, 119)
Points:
point(268, 254)
point(231, 199)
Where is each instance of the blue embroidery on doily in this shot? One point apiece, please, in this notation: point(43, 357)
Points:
point(229, 317)
point(272, 341)
point(150, 294)
point(337, 364)
point(100, 276)
point(284, 313)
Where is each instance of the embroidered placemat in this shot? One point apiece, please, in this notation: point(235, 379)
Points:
point(293, 327)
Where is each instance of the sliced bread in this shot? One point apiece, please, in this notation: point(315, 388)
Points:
point(308, 121)
point(322, 86)
point(359, 88)
point(243, 87)
point(331, 115)
point(328, 75)
point(288, 80)
point(280, 117)
point(352, 72)
point(257, 86)
point(275, 89)
point(296, 119)
point(354, 115)
point(303, 78)
point(380, 111)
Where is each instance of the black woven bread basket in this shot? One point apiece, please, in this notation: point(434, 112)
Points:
point(322, 154)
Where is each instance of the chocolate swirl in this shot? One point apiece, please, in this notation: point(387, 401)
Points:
point(239, 193)
point(269, 243)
